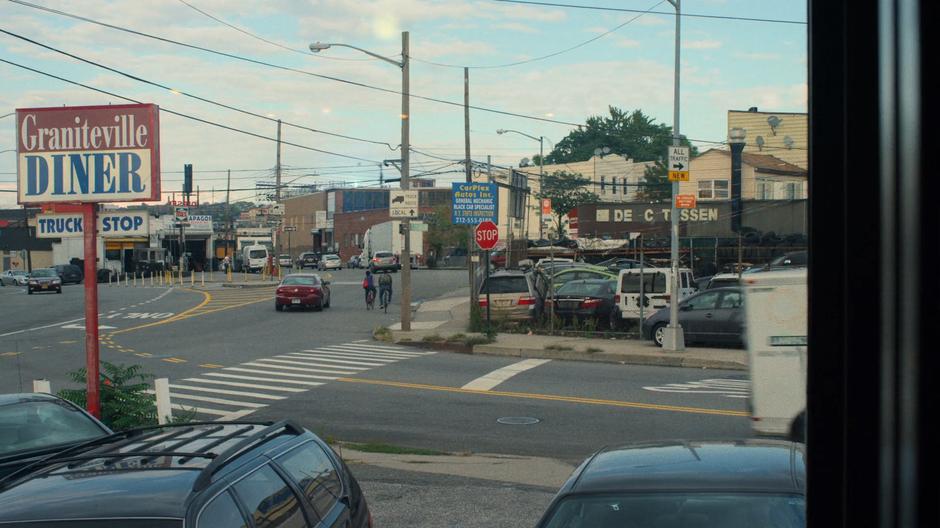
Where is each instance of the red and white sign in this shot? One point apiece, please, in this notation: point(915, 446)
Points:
point(546, 206)
point(88, 154)
point(181, 214)
point(487, 235)
point(685, 201)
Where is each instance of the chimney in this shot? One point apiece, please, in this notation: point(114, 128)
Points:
point(752, 109)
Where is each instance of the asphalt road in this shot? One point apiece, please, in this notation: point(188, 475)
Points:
point(229, 354)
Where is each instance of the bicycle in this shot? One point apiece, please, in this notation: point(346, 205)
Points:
point(384, 299)
point(370, 299)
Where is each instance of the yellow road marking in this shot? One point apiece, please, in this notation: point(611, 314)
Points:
point(549, 397)
point(181, 315)
point(68, 342)
point(144, 354)
point(174, 360)
point(9, 354)
point(211, 365)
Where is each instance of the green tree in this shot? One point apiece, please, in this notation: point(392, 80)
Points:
point(566, 190)
point(442, 233)
point(632, 134)
point(655, 186)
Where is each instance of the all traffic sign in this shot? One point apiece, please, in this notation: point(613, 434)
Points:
point(678, 163)
point(486, 235)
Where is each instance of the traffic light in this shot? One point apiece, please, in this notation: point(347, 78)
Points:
point(187, 179)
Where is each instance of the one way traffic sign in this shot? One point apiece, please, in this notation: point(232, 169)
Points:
point(678, 163)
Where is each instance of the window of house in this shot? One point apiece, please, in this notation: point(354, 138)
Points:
point(603, 184)
point(713, 189)
point(614, 185)
point(765, 190)
point(794, 191)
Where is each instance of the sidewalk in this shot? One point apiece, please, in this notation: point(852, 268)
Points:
point(446, 316)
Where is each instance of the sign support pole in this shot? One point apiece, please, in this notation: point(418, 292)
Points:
point(489, 325)
point(93, 377)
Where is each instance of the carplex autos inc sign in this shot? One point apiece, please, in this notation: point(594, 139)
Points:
point(88, 154)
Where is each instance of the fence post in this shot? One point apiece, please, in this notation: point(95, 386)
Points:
point(42, 385)
point(161, 387)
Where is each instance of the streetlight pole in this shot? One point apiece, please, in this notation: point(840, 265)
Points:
point(541, 140)
point(405, 155)
point(673, 338)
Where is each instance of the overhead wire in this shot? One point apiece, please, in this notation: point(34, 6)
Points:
point(196, 97)
point(667, 13)
point(290, 69)
point(187, 116)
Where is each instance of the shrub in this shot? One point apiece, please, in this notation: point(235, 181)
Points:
point(124, 402)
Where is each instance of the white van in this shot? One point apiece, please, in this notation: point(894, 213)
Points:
point(776, 337)
point(254, 258)
point(656, 286)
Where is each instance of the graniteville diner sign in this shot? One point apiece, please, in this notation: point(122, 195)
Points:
point(74, 157)
point(88, 154)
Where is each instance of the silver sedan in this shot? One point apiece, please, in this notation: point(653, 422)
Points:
point(14, 278)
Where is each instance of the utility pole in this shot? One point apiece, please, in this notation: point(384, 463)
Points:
point(469, 174)
point(277, 177)
point(29, 242)
point(541, 168)
point(674, 339)
point(405, 155)
point(228, 216)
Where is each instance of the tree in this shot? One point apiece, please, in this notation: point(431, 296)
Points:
point(566, 190)
point(442, 233)
point(631, 134)
point(656, 185)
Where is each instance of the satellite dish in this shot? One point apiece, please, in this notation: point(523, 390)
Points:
point(760, 142)
point(774, 122)
point(606, 150)
point(788, 142)
point(524, 162)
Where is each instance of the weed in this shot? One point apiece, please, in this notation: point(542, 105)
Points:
point(592, 350)
point(382, 334)
point(433, 338)
point(471, 341)
point(456, 338)
point(558, 347)
point(374, 447)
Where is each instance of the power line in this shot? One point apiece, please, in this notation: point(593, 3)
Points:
point(550, 55)
point(286, 68)
point(266, 41)
point(187, 116)
point(625, 10)
point(198, 98)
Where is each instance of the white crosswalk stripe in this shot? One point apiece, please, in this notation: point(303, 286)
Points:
point(239, 390)
point(729, 388)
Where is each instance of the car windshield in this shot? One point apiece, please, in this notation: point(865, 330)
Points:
point(382, 254)
point(300, 281)
point(33, 425)
point(18, 272)
point(331, 257)
point(257, 253)
point(653, 282)
point(509, 284)
point(283, 256)
point(675, 510)
point(45, 272)
point(587, 289)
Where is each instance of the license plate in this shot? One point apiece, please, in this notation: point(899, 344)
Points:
point(506, 302)
point(45, 286)
point(295, 301)
point(569, 304)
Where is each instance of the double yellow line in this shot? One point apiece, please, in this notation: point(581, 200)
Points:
point(182, 315)
point(549, 397)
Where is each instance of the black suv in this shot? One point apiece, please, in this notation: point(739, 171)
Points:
point(69, 273)
point(308, 259)
point(213, 474)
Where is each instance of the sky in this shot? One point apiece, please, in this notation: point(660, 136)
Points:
point(725, 65)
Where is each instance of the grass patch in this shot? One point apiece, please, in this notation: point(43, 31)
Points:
point(456, 338)
point(433, 338)
point(374, 447)
point(593, 350)
point(471, 341)
point(558, 347)
point(382, 334)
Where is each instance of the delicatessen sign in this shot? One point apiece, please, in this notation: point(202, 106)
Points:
point(88, 154)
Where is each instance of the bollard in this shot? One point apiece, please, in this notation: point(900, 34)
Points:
point(135, 279)
point(192, 278)
point(228, 274)
point(126, 280)
point(202, 279)
point(42, 385)
point(110, 280)
point(161, 387)
point(151, 279)
point(181, 276)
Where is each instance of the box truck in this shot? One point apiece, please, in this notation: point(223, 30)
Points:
point(386, 237)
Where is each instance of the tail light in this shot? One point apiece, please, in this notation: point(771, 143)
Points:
point(370, 519)
point(617, 298)
point(590, 303)
point(483, 303)
point(526, 301)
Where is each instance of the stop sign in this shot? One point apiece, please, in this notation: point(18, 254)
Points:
point(487, 235)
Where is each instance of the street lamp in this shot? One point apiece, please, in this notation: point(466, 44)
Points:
point(673, 337)
point(541, 140)
point(317, 47)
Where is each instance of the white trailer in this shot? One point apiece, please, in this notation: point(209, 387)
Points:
point(776, 321)
point(385, 237)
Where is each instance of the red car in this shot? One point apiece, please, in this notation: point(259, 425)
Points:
point(302, 290)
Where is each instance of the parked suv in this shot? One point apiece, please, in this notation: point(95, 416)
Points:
point(69, 273)
point(308, 259)
point(513, 295)
point(215, 474)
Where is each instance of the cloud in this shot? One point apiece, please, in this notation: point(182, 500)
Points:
point(701, 44)
point(518, 27)
point(758, 56)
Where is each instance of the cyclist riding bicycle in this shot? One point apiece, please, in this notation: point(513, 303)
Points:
point(368, 284)
point(385, 290)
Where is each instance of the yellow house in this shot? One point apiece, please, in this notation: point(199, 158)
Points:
point(783, 135)
point(763, 177)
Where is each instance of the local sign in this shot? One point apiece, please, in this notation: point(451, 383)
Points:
point(403, 204)
point(88, 154)
point(110, 224)
point(474, 203)
point(678, 164)
point(486, 235)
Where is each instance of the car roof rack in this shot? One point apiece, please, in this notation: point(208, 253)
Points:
point(205, 476)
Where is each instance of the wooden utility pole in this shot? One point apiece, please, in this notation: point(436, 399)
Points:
point(469, 173)
point(228, 216)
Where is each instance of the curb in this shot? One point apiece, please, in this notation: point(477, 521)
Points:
point(607, 357)
point(248, 285)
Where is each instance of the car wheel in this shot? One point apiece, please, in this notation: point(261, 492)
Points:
point(29, 291)
point(59, 290)
point(319, 307)
point(658, 333)
point(328, 299)
point(798, 428)
point(278, 307)
point(613, 320)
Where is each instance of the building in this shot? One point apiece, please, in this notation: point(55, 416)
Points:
point(784, 135)
point(763, 177)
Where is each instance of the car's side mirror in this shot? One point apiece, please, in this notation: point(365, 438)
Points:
point(685, 307)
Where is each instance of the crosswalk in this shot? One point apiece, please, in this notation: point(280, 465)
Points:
point(729, 388)
point(234, 392)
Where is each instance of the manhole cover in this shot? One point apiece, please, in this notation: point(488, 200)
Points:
point(517, 420)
